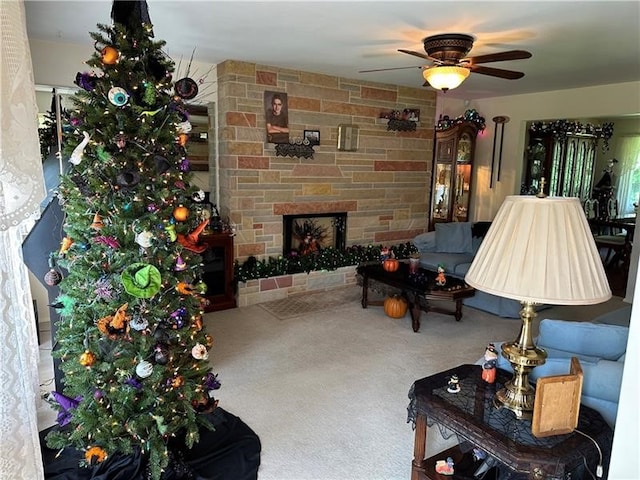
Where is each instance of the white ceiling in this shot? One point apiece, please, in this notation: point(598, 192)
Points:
point(574, 44)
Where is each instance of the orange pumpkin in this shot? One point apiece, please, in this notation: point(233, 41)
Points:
point(395, 306)
point(391, 264)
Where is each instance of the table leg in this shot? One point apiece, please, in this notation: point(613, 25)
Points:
point(420, 441)
point(458, 313)
point(365, 290)
point(414, 309)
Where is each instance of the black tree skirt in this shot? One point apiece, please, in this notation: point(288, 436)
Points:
point(230, 452)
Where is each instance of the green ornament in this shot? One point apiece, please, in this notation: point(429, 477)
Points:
point(149, 94)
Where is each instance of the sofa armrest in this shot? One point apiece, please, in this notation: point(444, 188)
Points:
point(584, 338)
point(425, 242)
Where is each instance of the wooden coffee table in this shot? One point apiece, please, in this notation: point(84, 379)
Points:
point(418, 289)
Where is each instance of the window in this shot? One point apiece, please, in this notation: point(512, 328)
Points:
point(629, 179)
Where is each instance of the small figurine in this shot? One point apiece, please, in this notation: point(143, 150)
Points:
point(454, 384)
point(489, 365)
point(445, 467)
point(385, 253)
point(440, 278)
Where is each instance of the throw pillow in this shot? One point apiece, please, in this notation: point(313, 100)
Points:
point(454, 237)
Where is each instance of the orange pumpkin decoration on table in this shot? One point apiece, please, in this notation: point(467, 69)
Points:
point(395, 306)
point(391, 264)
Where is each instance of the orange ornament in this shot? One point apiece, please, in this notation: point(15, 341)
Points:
point(95, 455)
point(182, 139)
point(181, 213)
point(87, 359)
point(177, 381)
point(110, 55)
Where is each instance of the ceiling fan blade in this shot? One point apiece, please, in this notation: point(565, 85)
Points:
point(497, 57)
point(496, 72)
point(386, 69)
point(415, 54)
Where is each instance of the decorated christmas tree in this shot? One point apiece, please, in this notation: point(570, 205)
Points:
point(132, 346)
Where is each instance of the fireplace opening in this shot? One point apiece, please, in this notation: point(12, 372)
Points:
point(310, 232)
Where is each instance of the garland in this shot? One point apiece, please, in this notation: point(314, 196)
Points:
point(325, 259)
point(471, 115)
point(563, 128)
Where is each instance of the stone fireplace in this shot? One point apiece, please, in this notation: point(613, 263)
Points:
point(383, 186)
point(307, 233)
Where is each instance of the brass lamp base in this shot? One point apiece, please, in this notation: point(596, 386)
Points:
point(518, 395)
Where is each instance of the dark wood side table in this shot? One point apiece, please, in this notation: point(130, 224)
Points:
point(217, 262)
point(471, 416)
point(417, 288)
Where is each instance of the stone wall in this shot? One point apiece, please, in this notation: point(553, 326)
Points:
point(384, 185)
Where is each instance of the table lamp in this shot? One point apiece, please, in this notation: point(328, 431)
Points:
point(538, 250)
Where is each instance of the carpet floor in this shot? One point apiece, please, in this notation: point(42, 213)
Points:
point(324, 382)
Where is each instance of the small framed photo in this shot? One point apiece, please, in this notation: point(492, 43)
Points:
point(411, 114)
point(313, 136)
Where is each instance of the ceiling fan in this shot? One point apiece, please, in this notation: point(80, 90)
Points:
point(451, 66)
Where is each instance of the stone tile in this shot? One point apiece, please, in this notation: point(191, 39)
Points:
point(314, 207)
point(241, 119)
point(316, 171)
point(266, 78)
point(398, 235)
point(253, 163)
point(249, 249)
point(317, 189)
point(246, 148)
point(302, 103)
point(379, 94)
point(400, 166)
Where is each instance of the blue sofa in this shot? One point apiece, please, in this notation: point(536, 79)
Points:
point(599, 346)
point(453, 245)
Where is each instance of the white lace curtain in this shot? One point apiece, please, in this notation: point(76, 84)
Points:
point(629, 166)
point(21, 190)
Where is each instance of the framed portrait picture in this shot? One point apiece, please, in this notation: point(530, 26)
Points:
point(276, 112)
point(313, 136)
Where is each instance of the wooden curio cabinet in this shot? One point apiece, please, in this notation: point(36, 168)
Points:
point(452, 173)
point(566, 162)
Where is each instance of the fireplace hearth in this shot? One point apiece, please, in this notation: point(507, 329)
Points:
point(307, 233)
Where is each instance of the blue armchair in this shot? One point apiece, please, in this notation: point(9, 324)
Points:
point(601, 350)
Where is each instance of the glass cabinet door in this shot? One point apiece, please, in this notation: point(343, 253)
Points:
point(441, 191)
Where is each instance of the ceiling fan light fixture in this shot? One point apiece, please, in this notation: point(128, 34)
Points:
point(445, 77)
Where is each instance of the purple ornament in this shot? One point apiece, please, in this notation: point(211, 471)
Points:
point(179, 318)
point(67, 404)
point(211, 381)
point(86, 80)
point(185, 165)
point(134, 383)
point(98, 394)
point(152, 207)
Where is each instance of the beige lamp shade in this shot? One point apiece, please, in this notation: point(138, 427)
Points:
point(445, 77)
point(540, 250)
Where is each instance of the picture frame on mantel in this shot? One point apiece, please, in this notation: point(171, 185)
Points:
point(313, 136)
point(348, 137)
